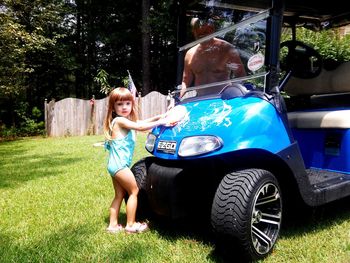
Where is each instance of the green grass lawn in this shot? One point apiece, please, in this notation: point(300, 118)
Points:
point(54, 201)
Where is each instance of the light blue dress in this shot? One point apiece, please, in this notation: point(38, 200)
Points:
point(120, 152)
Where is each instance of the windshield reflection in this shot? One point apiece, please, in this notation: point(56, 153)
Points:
point(226, 46)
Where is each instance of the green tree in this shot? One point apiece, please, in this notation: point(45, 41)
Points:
point(56, 48)
point(163, 30)
point(20, 36)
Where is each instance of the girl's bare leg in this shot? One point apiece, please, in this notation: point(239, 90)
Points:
point(119, 194)
point(127, 181)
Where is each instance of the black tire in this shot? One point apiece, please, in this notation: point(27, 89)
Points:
point(139, 170)
point(247, 212)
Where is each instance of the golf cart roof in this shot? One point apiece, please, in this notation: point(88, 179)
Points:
point(318, 14)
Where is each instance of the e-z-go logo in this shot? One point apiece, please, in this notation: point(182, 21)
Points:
point(167, 146)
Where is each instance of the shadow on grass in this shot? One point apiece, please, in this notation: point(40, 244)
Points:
point(316, 219)
point(19, 165)
point(198, 230)
point(309, 219)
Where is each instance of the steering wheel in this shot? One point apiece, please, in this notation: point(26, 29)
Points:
point(301, 60)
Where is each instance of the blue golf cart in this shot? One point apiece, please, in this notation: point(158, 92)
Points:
point(242, 156)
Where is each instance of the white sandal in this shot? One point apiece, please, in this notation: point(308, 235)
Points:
point(114, 230)
point(136, 228)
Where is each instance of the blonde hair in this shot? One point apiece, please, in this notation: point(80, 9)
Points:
point(118, 94)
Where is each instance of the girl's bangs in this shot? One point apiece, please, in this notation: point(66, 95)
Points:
point(123, 95)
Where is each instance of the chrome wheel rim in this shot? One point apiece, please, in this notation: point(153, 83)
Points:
point(266, 218)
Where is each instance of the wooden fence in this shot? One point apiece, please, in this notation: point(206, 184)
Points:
point(85, 117)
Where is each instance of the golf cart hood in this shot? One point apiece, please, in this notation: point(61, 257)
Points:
point(232, 122)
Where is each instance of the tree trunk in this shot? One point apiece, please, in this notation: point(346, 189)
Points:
point(146, 43)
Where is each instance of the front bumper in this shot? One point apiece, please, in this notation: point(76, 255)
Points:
point(178, 189)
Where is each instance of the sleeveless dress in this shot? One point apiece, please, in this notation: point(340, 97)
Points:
point(120, 152)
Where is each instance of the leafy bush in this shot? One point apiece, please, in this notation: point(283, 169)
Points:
point(329, 43)
point(29, 124)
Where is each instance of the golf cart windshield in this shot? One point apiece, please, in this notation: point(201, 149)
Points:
point(225, 46)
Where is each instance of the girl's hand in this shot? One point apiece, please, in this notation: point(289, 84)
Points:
point(165, 121)
point(164, 115)
point(175, 115)
point(171, 124)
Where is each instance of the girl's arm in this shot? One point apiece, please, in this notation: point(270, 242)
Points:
point(152, 119)
point(141, 125)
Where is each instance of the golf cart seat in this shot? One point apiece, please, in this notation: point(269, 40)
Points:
point(326, 99)
point(327, 82)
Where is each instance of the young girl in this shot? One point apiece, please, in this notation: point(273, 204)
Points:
point(119, 128)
